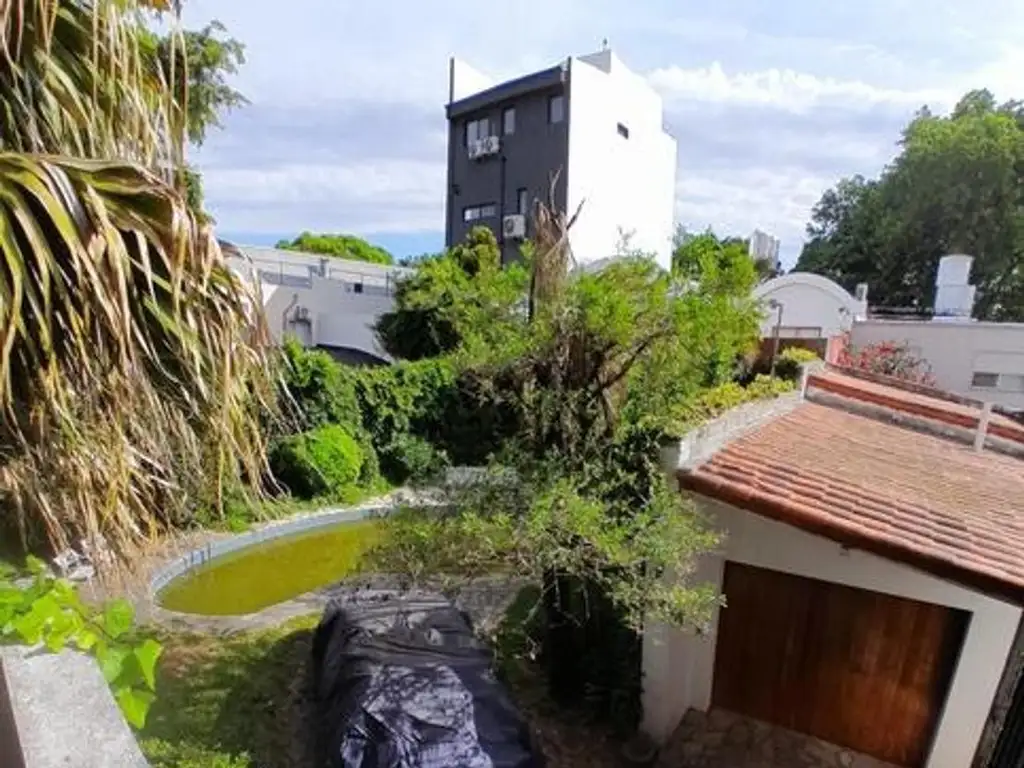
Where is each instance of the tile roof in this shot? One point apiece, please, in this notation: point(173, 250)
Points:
point(919, 498)
point(935, 405)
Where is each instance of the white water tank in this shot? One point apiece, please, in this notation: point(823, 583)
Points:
point(954, 296)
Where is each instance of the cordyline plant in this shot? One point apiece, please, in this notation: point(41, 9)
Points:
point(133, 369)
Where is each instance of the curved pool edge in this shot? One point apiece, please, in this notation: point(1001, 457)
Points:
point(213, 550)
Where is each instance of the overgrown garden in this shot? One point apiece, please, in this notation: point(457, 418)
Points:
point(142, 395)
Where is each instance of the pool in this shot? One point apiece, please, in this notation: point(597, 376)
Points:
point(261, 570)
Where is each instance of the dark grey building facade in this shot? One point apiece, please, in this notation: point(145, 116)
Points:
point(504, 146)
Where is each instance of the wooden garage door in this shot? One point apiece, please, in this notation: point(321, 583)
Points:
point(860, 669)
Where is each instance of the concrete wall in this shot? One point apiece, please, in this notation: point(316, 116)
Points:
point(343, 298)
point(956, 351)
point(808, 302)
point(338, 317)
point(626, 185)
point(678, 666)
point(61, 713)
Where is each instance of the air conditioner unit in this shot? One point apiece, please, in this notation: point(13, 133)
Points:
point(489, 145)
point(514, 226)
point(492, 145)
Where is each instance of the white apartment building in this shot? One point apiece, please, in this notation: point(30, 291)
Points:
point(588, 124)
point(328, 303)
point(764, 247)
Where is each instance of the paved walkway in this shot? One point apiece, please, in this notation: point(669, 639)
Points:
point(724, 740)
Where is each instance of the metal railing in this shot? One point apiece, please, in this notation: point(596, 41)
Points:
point(301, 276)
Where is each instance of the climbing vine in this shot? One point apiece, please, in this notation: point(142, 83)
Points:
point(43, 610)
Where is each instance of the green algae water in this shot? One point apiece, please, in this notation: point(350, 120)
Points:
point(271, 572)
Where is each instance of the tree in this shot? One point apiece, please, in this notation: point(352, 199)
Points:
point(586, 369)
point(338, 246)
point(956, 187)
point(690, 249)
point(458, 299)
point(196, 65)
point(132, 375)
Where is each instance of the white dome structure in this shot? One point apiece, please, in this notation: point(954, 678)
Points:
point(812, 306)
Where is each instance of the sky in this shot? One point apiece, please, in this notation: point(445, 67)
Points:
point(770, 103)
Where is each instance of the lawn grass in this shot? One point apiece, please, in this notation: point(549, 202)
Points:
point(240, 700)
point(232, 701)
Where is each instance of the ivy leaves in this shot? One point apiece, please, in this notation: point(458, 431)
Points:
point(49, 612)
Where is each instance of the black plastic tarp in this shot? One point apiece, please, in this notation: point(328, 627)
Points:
point(402, 682)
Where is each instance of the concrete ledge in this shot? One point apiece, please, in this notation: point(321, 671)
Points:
point(698, 445)
point(63, 713)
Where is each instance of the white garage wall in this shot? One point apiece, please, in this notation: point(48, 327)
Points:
point(678, 667)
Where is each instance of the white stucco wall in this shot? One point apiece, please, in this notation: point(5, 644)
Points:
point(808, 301)
point(678, 667)
point(338, 316)
point(625, 184)
point(956, 350)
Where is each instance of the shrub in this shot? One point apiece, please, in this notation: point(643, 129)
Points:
point(710, 403)
point(317, 389)
point(402, 402)
point(791, 359)
point(322, 462)
point(889, 358)
point(798, 355)
point(410, 458)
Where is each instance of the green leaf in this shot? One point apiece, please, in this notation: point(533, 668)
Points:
point(146, 655)
point(11, 596)
point(134, 704)
point(85, 639)
point(28, 627)
point(112, 661)
point(60, 630)
point(118, 617)
point(34, 565)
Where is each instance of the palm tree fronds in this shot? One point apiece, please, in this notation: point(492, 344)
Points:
point(131, 364)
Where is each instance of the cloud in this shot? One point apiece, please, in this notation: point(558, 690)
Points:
point(779, 89)
point(770, 104)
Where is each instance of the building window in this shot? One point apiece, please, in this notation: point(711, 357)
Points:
point(1011, 382)
point(477, 129)
point(623, 131)
point(508, 121)
point(475, 212)
point(984, 380)
point(357, 288)
point(523, 200)
point(556, 109)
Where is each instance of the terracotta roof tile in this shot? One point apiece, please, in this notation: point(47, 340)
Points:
point(960, 412)
point(928, 501)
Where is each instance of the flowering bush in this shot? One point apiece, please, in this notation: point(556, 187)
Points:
point(889, 358)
